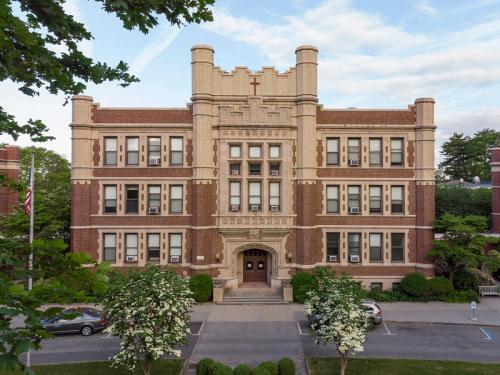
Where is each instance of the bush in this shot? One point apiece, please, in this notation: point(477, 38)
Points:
point(302, 283)
point(270, 367)
point(242, 370)
point(218, 368)
point(440, 286)
point(465, 280)
point(286, 366)
point(204, 365)
point(463, 296)
point(202, 286)
point(260, 371)
point(415, 284)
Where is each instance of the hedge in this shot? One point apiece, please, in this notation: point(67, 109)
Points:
point(302, 283)
point(260, 371)
point(440, 286)
point(202, 286)
point(286, 366)
point(242, 370)
point(415, 284)
point(270, 367)
point(204, 365)
point(218, 368)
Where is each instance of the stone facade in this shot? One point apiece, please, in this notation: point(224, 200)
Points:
point(495, 190)
point(255, 158)
point(9, 167)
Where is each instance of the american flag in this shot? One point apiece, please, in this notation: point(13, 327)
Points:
point(27, 198)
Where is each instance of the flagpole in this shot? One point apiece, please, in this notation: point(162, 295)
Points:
point(32, 220)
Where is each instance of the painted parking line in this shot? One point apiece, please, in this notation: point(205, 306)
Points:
point(108, 336)
point(488, 337)
point(387, 331)
point(199, 330)
point(300, 330)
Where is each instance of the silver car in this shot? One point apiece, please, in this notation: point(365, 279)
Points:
point(374, 310)
point(84, 320)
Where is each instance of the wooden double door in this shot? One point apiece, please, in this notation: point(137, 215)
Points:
point(254, 266)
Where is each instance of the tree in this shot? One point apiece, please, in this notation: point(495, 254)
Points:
point(52, 197)
point(150, 314)
point(466, 157)
point(34, 33)
point(462, 201)
point(336, 313)
point(462, 246)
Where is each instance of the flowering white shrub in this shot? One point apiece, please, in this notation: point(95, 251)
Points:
point(336, 313)
point(150, 314)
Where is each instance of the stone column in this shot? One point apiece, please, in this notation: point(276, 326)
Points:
point(495, 190)
point(9, 168)
point(424, 176)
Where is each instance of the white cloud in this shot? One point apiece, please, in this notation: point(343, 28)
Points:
point(425, 7)
point(153, 50)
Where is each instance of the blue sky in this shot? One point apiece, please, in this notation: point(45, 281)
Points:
point(372, 54)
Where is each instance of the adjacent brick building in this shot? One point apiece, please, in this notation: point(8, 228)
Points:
point(495, 190)
point(9, 167)
point(254, 180)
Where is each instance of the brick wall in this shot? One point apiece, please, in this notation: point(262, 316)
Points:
point(9, 168)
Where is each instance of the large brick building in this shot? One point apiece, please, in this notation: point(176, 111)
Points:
point(254, 180)
point(9, 168)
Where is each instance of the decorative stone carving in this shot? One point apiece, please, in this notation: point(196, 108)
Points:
point(254, 113)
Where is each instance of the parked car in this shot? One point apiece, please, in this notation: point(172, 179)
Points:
point(371, 306)
point(83, 320)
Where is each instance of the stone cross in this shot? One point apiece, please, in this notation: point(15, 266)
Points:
point(254, 84)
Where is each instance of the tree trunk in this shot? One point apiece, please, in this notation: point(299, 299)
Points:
point(343, 363)
point(146, 367)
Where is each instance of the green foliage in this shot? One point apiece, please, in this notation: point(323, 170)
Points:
point(461, 201)
point(242, 370)
point(302, 282)
point(33, 34)
point(52, 197)
point(260, 371)
point(398, 296)
point(440, 286)
point(286, 366)
point(415, 284)
point(204, 365)
point(202, 287)
point(270, 367)
point(466, 157)
point(218, 368)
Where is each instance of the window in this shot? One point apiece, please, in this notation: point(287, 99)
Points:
point(175, 246)
point(234, 169)
point(154, 150)
point(131, 247)
point(110, 148)
point(354, 151)
point(375, 151)
point(176, 148)
point(235, 195)
point(332, 199)
point(132, 150)
point(154, 246)
point(332, 151)
point(110, 199)
point(375, 247)
point(109, 240)
point(254, 169)
point(132, 196)
point(396, 286)
point(274, 169)
point(354, 199)
point(376, 286)
point(254, 196)
point(375, 199)
point(397, 199)
point(254, 151)
point(396, 151)
point(154, 198)
point(176, 199)
point(354, 247)
point(235, 151)
point(274, 151)
point(274, 196)
point(397, 247)
point(332, 247)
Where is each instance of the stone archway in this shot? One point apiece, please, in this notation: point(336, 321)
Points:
point(255, 262)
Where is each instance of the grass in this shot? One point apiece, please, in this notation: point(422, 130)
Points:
point(164, 367)
point(368, 366)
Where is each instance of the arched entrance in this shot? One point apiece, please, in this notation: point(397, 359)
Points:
point(255, 262)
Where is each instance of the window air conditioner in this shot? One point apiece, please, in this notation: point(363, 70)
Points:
point(354, 258)
point(175, 258)
point(353, 163)
point(154, 210)
point(235, 172)
point(131, 258)
point(275, 172)
point(275, 208)
point(154, 161)
point(354, 210)
point(332, 258)
point(254, 207)
point(235, 207)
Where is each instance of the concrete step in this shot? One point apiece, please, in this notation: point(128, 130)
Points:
point(253, 302)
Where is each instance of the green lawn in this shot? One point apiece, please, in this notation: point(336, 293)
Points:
point(165, 367)
point(365, 366)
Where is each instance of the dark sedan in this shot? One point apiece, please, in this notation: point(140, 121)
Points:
point(83, 320)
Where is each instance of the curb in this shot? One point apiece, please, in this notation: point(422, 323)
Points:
point(476, 323)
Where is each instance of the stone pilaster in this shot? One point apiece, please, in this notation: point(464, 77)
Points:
point(495, 190)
